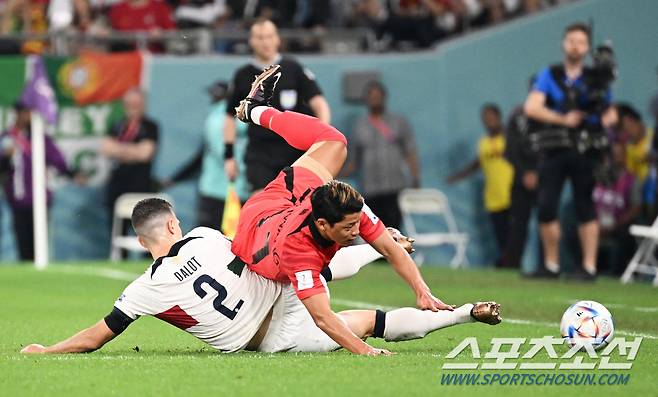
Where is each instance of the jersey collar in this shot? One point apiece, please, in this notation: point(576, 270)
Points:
point(173, 251)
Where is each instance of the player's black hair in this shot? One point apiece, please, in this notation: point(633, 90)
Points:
point(491, 107)
point(148, 208)
point(579, 27)
point(334, 200)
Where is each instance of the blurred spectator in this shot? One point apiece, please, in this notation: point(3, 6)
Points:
point(312, 14)
point(29, 17)
point(365, 14)
point(131, 146)
point(498, 176)
point(421, 22)
point(199, 13)
point(213, 183)
point(617, 197)
point(519, 153)
point(640, 155)
point(383, 149)
point(65, 14)
point(297, 90)
point(280, 12)
point(638, 140)
point(16, 149)
point(152, 16)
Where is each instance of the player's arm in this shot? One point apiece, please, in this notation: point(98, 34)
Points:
point(407, 269)
point(87, 340)
point(332, 325)
point(139, 152)
point(320, 108)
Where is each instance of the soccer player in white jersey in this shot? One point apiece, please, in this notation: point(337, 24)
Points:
point(198, 285)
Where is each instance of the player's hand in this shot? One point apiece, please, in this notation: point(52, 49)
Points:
point(231, 169)
point(405, 242)
point(373, 351)
point(573, 118)
point(33, 349)
point(427, 301)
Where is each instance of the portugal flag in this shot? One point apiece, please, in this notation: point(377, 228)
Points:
point(94, 77)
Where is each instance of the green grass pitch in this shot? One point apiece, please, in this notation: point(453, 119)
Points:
point(153, 358)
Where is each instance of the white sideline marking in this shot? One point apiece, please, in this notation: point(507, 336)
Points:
point(127, 276)
point(105, 272)
point(643, 309)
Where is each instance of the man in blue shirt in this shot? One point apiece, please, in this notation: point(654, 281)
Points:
point(562, 100)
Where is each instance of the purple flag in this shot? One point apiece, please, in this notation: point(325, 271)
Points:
point(38, 94)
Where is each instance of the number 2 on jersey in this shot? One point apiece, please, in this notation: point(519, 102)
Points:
point(221, 295)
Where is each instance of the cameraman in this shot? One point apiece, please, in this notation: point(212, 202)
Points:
point(565, 100)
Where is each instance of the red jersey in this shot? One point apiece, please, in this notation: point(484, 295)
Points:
point(277, 237)
point(128, 17)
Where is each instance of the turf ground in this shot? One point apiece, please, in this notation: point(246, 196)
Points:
point(153, 358)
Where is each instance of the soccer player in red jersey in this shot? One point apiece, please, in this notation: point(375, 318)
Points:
point(290, 231)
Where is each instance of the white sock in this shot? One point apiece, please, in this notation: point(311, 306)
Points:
point(408, 323)
point(349, 260)
point(256, 113)
point(552, 267)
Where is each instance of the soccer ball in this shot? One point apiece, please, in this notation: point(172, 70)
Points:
point(587, 322)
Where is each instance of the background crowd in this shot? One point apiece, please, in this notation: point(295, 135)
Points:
point(392, 24)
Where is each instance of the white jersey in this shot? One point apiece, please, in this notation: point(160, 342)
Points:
point(202, 288)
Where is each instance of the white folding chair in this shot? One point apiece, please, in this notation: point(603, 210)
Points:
point(432, 202)
point(644, 261)
point(123, 208)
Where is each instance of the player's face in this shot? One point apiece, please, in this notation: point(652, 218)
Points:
point(346, 231)
point(575, 46)
point(264, 40)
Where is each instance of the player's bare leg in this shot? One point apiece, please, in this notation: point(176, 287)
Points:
point(408, 323)
point(325, 146)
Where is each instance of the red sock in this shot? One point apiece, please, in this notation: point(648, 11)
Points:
point(299, 130)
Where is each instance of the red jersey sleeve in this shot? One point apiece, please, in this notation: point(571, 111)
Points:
point(303, 269)
point(371, 226)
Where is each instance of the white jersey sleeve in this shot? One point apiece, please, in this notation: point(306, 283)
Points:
point(202, 288)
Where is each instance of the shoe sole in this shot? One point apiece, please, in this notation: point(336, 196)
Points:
point(240, 111)
point(492, 317)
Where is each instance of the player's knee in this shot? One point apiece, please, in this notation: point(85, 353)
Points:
point(332, 134)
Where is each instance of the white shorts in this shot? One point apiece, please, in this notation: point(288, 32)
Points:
point(292, 328)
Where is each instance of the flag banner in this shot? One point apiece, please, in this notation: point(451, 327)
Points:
point(96, 77)
point(87, 90)
point(38, 93)
point(231, 212)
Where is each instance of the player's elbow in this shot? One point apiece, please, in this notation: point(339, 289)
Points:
point(322, 320)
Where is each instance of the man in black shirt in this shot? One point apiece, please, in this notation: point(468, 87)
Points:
point(267, 153)
point(131, 146)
